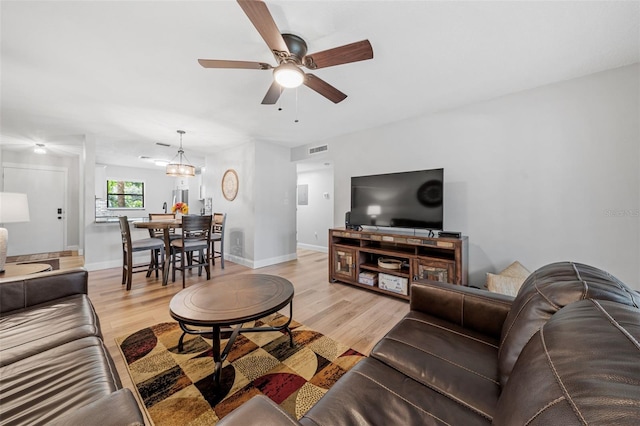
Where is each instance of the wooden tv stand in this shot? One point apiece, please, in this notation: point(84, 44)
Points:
point(439, 259)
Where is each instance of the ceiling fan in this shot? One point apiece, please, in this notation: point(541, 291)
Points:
point(291, 53)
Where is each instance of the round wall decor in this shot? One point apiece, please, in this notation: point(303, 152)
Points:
point(230, 184)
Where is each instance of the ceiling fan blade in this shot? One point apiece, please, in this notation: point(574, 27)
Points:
point(216, 63)
point(324, 88)
point(273, 94)
point(261, 18)
point(354, 52)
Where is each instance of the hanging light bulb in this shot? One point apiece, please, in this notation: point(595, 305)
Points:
point(180, 169)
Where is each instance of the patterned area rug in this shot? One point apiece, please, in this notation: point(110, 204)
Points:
point(55, 263)
point(177, 387)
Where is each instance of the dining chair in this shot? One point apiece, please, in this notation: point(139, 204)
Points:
point(129, 246)
point(217, 236)
point(159, 233)
point(195, 238)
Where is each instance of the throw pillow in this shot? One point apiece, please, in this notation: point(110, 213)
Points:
point(516, 270)
point(509, 280)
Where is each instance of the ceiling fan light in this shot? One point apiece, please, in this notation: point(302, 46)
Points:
point(288, 75)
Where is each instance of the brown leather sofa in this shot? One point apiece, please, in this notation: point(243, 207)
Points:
point(566, 351)
point(54, 366)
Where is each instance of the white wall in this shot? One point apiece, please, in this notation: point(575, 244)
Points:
point(315, 219)
point(544, 175)
point(275, 205)
point(240, 225)
point(261, 219)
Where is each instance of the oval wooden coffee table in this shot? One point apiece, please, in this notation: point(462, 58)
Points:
point(229, 301)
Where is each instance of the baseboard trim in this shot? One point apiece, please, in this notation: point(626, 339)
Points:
point(321, 249)
point(261, 263)
point(275, 260)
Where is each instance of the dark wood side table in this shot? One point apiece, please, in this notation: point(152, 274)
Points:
point(12, 270)
point(227, 301)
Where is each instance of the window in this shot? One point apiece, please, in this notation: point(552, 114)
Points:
point(124, 194)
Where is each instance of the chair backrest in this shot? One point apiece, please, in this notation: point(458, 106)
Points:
point(219, 220)
point(160, 216)
point(196, 227)
point(125, 232)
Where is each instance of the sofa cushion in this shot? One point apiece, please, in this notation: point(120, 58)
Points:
point(456, 362)
point(582, 367)
point(545, 292)
point(50, 384)
point(35, 329)
point(372, 393)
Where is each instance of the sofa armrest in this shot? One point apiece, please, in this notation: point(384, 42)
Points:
point(472, 308)
point(117, 409)
point(29, 290)
point(258, 410)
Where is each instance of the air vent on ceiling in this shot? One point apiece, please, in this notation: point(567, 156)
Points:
point(144, 157)
point(162, 144)
point(318, 149)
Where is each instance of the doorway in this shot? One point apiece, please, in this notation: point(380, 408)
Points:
point(46, 189)
point(314, 210)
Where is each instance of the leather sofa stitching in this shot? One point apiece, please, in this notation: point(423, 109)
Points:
point(515, 319)
point(448, 361)
point(400, 397)
point(543, 409)
point(574, 407)
point(544, 296)
point(309, 418)
point(616, 324)
point(114, 377)
point(452, 331)
point(575, 269)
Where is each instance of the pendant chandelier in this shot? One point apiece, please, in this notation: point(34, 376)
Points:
point(180, 169)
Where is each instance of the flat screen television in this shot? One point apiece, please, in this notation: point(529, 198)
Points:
point(401, 200)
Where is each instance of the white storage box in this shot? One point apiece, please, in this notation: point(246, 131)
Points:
point(392, 283)
point(368, 278)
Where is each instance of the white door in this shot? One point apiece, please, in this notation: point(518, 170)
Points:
point(46, 191)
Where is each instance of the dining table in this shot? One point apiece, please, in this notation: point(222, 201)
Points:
point(165, 225)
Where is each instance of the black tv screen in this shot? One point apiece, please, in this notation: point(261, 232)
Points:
point(402, 200)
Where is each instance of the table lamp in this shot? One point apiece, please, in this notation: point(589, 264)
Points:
point(13, 208)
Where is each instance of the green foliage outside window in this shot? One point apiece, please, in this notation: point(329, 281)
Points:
point(123, 194)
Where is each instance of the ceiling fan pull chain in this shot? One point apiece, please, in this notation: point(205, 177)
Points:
point(280, 99)
point(296, 120)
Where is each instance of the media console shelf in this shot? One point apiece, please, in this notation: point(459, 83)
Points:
point(352, 253)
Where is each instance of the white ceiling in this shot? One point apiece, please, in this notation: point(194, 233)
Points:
point(126, 72)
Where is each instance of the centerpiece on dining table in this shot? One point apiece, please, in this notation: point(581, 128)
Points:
point(179, 209)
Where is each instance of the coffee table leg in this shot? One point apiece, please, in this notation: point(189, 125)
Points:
point(217, 359)
point(286, 326)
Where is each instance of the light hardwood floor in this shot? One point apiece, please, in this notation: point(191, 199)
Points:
point(353, 316)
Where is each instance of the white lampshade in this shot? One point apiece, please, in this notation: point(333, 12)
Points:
point(14, 207)
point(374, 210)
point(288, 75)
